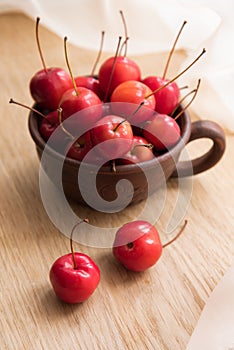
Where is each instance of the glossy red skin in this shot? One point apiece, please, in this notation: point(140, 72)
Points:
point(47, 87)
point(138, 152)
point(137, 245)
point(131, 94)
point(48, 125)
point(80, 147)
point(125, 69)
point(162, 131)
point(74, 285)
point(90, 83)
point(72, 103)
point(167, 98)
point(120, 140)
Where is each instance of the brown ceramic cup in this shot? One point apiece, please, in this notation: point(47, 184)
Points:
point(145, 177)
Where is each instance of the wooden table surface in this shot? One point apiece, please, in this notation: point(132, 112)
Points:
point(154, 310)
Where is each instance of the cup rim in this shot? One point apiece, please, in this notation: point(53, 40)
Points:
point(184, 120)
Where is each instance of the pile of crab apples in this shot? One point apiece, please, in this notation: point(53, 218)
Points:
point(137, 116)
point(122, 117)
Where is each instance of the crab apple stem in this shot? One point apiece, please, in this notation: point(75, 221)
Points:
point(29, 108)
point(182, 100)
point(39, 46)
point(124, 44)
point(71, 241)
point(99, 53)
point(68, 66)
point(125, 32)
point(112, 69)
point(173, 49)
point(147, 145)
point(176, 236)
point(177, 76)
point(183, 87)
point(190, 102)
point(60, 112)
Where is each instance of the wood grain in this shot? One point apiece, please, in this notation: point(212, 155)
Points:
point(155, 310)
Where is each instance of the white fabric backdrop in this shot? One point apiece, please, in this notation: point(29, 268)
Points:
point(152, 24)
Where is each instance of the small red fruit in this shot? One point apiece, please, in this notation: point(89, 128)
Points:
point(141, 151)
point(130, 95)
point(49, 84)
point(167, 98)
point(75, 276)
point(124, 69)
point(112, 136)
point(162, 131)
point(137, 245)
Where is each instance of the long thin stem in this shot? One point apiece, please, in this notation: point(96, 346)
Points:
point(60, 111)
point(124, 45)
point(177, 76)
point(71, 241)
point(173, 49)
point(29, 108)
point(190, 102)
point(125, 31)
point(69, 67)
point(99, 53)
point(182, 100)
point(112, 70)
point(39, 46)
point(176, 236)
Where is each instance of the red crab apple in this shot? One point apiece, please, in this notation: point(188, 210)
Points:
point(80, 147)
point(131, 100)
point(138, 246)
point(74, 277)
point(112, 136)
point(167, 98)
point(166, 91)
point(49, 84)
point(90, 83)
point(74, 101)
point(80, 99)
point(118, 69)
point(162, 131)
point(82, 150)
point(141, 151)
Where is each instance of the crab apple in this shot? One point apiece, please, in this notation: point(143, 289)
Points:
point(74, 101)
point(74, 276)
point(112, 136)
point(141, 151)
point(167, 98)
point(90, 83)
point(118, 69)
point(49, 84)
point(74, 284)
point(162, 131)
point(80, 147)
point(131, 100)
point(137, 245)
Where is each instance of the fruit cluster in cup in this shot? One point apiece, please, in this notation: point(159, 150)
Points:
point(136, 115)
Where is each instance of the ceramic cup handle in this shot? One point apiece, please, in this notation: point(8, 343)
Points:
point(203, 129)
